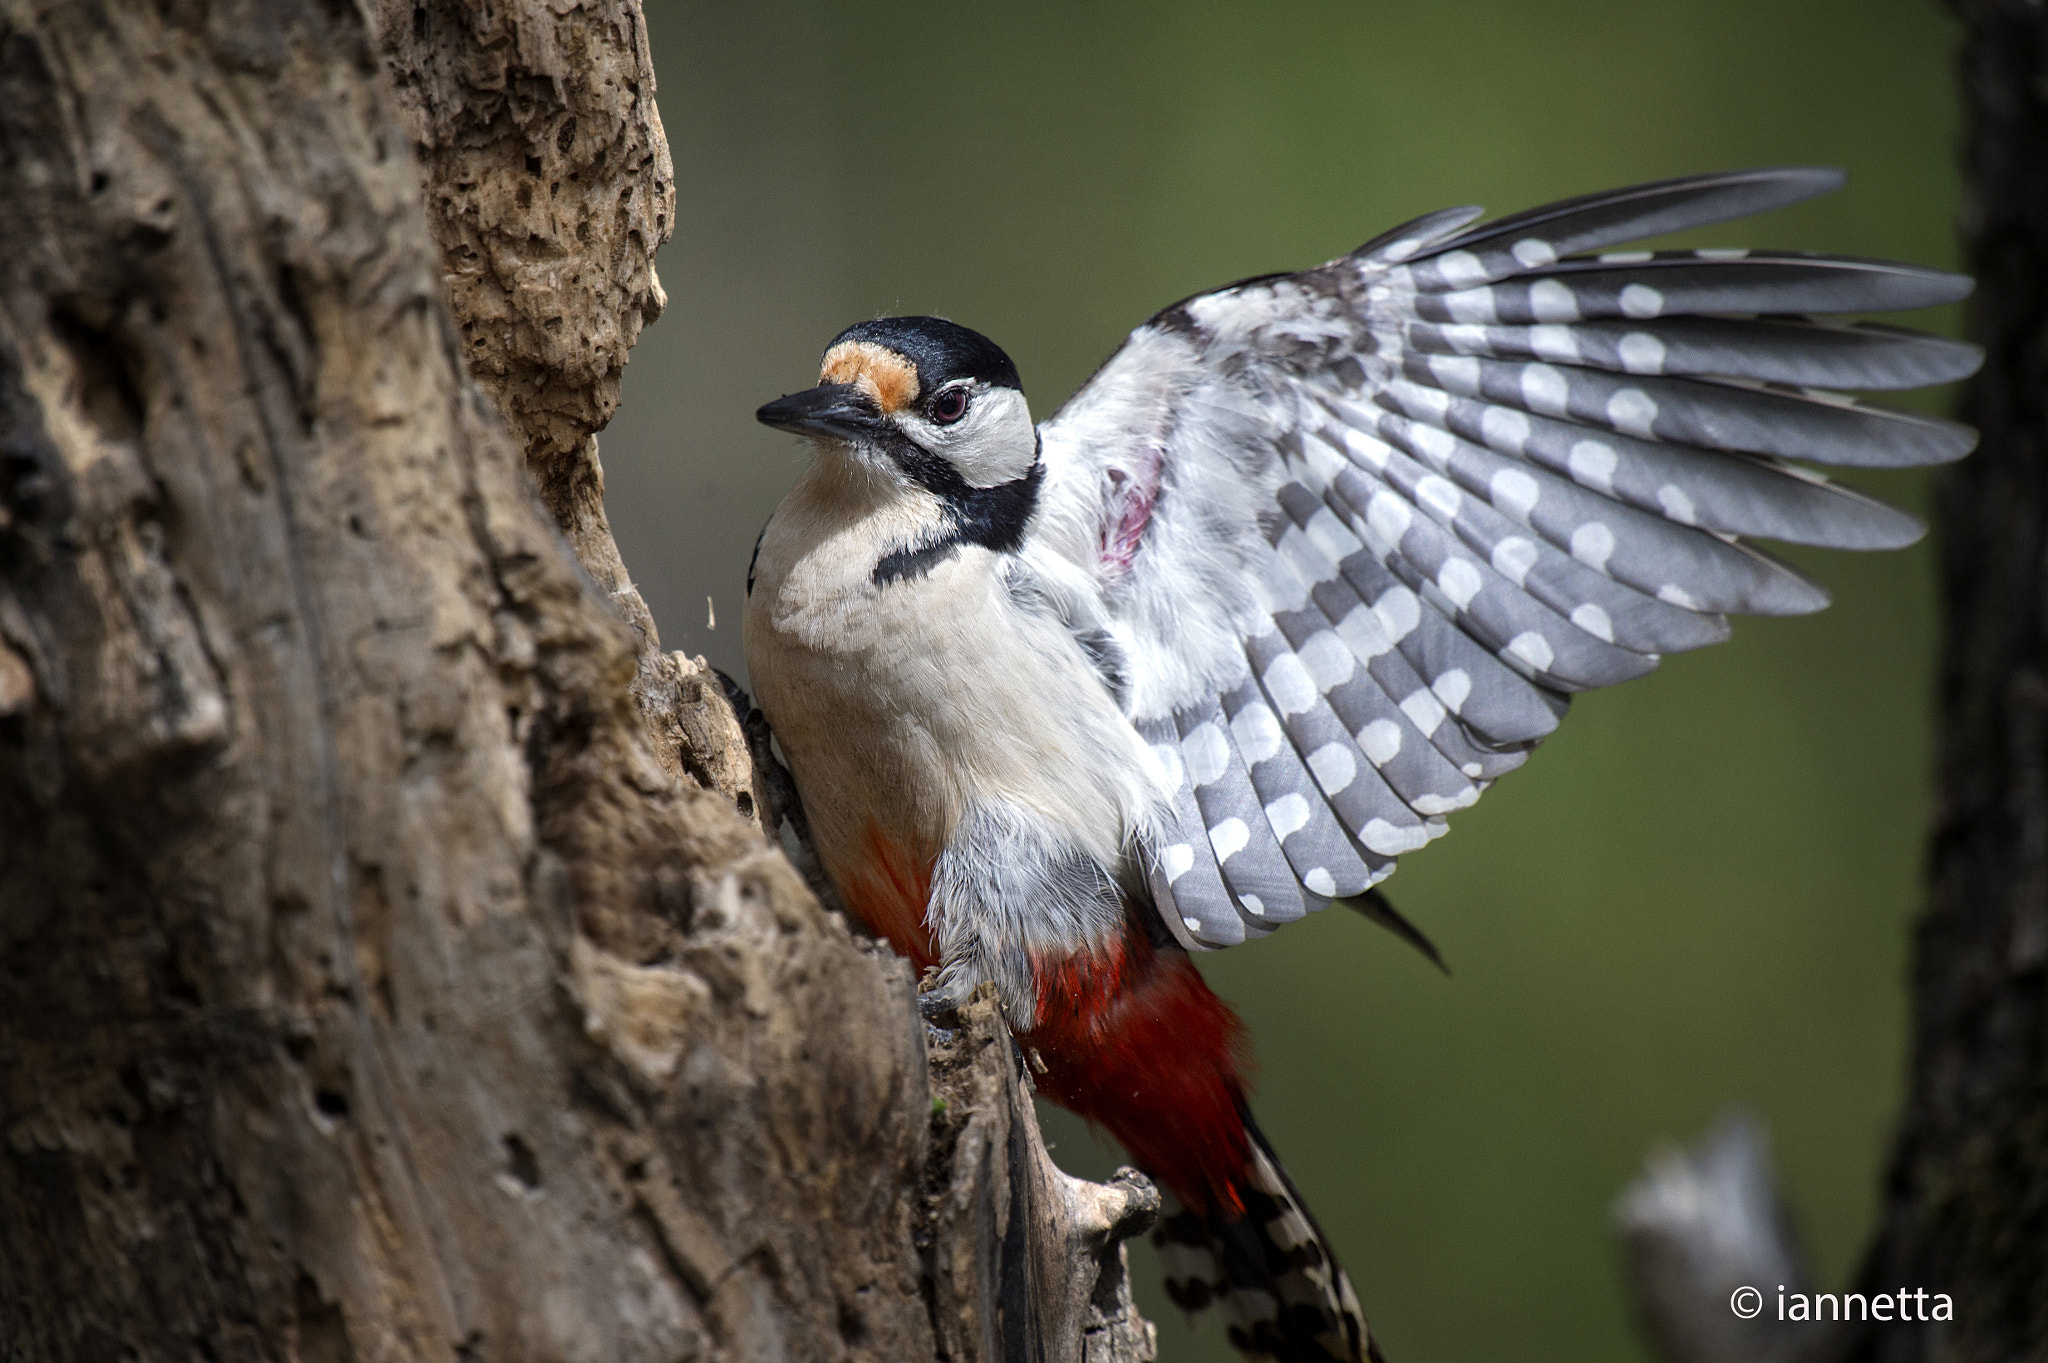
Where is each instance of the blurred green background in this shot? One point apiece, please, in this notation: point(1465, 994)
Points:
point(1699, 893)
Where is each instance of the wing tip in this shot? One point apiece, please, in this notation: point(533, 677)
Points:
point(1799, 182)
point(1957, 439)
point(1968, 357)
point(1824, 179)
point(1688, 201)
point(1910, 530)
point(1924, 441)
point(1791, 593)
point(1939, 288)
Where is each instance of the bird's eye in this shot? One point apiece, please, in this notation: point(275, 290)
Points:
point(949, 406)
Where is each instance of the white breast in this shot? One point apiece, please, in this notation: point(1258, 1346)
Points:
point(909, 702)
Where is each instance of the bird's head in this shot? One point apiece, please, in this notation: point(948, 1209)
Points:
point(919, 397)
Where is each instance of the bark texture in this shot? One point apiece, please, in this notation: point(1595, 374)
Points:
point(1966, 1208)
point(548, 189)
point(1027, 1263)
point(377, 979)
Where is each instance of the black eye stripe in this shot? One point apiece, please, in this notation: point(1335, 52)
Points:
point(993, 517)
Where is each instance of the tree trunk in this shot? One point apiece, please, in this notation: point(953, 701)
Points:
point(390, 964)
point(548, 189)
point(1966, 1208)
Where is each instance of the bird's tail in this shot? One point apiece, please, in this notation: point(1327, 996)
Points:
point(1130, 1036)
point(1283, 1293)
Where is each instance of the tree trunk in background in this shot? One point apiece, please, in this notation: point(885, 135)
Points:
point(1966, 1208)
point(387, 968)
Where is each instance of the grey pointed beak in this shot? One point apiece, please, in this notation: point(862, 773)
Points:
point(837, 409)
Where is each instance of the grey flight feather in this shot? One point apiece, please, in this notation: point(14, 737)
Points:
point(1356, 534)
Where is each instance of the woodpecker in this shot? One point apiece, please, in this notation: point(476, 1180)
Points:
point(1310, 561)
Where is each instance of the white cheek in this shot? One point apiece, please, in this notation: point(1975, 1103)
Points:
point(995, 444)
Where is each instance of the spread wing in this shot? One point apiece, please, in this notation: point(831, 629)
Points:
point(1356, 534)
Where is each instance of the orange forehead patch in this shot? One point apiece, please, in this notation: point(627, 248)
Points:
point(880, 372)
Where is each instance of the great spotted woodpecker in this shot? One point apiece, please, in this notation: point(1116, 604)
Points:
point(1306, 565)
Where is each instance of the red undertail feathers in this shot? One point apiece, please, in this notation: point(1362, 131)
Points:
point(1132, 1039)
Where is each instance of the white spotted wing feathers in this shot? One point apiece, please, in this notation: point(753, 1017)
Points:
point(1360, 531)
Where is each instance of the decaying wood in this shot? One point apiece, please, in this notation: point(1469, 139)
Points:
point(373, 984)
point(549, 189)
point(1027, 1263)
point(551, 287)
